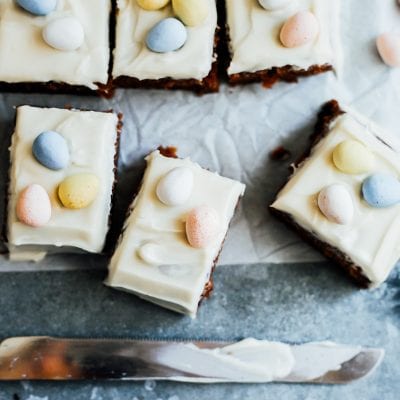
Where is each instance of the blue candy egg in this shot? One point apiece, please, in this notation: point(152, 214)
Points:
point(38, 7)
point(381, 190)
point(51, 150)
point(167, 35)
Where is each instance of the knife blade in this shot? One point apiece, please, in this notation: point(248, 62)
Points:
point(250, 360)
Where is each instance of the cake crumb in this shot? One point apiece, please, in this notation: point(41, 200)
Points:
point(280, 154)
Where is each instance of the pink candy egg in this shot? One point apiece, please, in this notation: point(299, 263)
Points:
point(202, 224)
point(34, 206)
point(299, 29)
point(388, 45)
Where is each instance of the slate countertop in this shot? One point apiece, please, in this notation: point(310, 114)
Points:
point(288, 302)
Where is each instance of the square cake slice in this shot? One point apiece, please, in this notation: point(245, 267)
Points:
point(165, 48)
point(344, 195)
point(272, 40)
point(62, 174)
point(63, 48)
point(174, 233)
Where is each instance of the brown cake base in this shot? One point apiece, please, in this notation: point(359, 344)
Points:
point(269, 77)
point(105, 91)
point(329, 112)
point(209, 84)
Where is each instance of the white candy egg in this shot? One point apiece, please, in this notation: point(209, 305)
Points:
point(175, 187)
point(336, 203)
point(65, 33)
point(272, 5)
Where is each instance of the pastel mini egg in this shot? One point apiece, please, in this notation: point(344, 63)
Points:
point(175, 187)
point(33, 206)
point(167, 35)
point(51, 150)
point(152, 5)
point(299, 29)
point(353, 157)
point(272, 5)
point(191, 12)
point(38, 7)
point(64, 33)
point(336, 203)
point(202, 225)
point(78, 191)
point(388, 45)
point(381, 190)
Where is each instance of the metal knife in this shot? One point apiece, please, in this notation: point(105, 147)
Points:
point(46, 358)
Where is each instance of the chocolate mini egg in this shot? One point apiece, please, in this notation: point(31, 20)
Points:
point(51, 150)
point(191, 12)
point(167, 35)
point(388, 45)
point(152, 5)
point(272, 5)
point(175, 187)
point(78, 191)
point(299, 29)
point(352, 157)
point(381, 190)
point(34, 206)
point(64, 33)
point(38, 7)
point(202, 225)
point(336, 204)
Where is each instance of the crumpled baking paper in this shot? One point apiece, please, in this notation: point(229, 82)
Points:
point(234, 131)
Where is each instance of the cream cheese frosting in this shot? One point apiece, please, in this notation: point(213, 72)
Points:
point(133, 59)
point(25, 56)
point(153, 258)
point(254, 36)
point(372, 239)
point(91, 138)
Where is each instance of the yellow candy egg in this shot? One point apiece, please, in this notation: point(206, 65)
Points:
point(352, 157)
point(78, 191)
point(152, 5)
point(191, 12)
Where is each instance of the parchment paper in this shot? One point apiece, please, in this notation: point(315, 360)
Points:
point(234, 131)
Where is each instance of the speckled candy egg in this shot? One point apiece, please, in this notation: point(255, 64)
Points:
point(175, 187)
point(272, 5)
point(336, 204)
point(38, 7)
point(78, 191)
point(167, 35)
point(51, 150)
point(152, 5)
point(33, 206)
point(202, 225)
point(64, 33)
point(381, 190)
point(191, 12)
point(388, 45)
point(352, 157)
point(300, 29)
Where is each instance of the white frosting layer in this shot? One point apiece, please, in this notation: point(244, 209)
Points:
point(91, 138)
point(254, 36)
point(25, 57)
point(132, 58)
point(249, 360)
point(372, 240)
point(176, 277)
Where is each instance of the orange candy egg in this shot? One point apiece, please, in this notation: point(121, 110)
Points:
point(34, 206)
point(300, 29)
point(202, 225)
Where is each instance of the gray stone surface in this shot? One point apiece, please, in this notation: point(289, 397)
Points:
point(292, 303)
